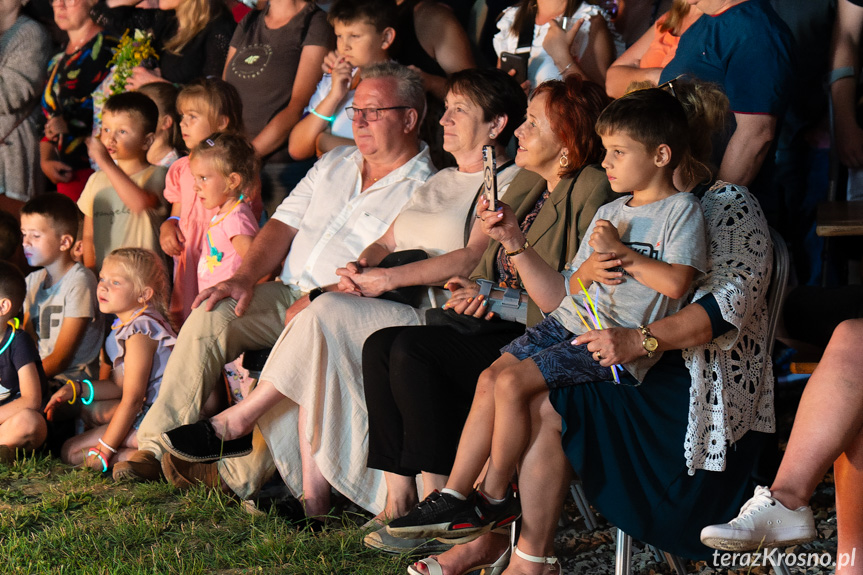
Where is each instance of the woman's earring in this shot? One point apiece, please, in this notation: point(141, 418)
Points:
point(492, 135)
point(564, 160)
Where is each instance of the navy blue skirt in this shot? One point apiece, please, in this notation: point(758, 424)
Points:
point(626, 445)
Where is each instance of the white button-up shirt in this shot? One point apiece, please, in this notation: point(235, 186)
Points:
point(336, 220)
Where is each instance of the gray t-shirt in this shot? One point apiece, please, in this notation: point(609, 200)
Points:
point(73, 296)
point(671, 230)
point(266, 62)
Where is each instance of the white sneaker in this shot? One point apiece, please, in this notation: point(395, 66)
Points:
point(762, 522)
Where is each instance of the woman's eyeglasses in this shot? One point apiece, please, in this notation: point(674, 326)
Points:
point(370, 114)
point(669, 86)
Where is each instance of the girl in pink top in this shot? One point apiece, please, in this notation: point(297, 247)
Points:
point(205, 107)
point(224, 167)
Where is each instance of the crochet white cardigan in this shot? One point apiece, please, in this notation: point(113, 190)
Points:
point(732, 376)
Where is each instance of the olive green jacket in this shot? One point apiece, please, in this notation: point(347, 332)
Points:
point(560, 225)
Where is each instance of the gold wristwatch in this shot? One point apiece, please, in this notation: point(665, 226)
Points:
point(649, 342)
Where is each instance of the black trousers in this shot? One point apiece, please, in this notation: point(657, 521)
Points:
point(419, 383)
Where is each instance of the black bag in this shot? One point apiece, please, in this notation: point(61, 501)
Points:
point(408, 295)
point(469, 325)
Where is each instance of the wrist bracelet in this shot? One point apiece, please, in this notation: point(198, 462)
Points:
point(101, 457)
point(106, 446)
point(568, 66)
point(74, 392)
point(328, 119)
point(840, 73)
point(92, 392)
point(519, 250)
point(174, 218)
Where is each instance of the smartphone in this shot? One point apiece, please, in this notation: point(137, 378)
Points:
point(489, 177)
point(517, 62)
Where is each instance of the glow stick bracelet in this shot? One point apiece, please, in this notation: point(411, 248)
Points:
point(92, 392)
point(74, 392)
point(101, 457)
point(106, 446)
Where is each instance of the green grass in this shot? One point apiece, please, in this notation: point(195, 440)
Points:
point(55, 519)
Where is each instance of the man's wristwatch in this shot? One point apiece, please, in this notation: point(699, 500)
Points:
point(315, 293)
point(649, 342)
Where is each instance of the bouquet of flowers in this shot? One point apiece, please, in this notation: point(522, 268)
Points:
point(132, 51)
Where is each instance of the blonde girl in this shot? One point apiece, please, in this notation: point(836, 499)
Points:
point(167, 145)
point(132, 286)
point(205, 107)
point(225, 168)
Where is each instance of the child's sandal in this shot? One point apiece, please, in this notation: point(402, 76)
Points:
point(551, 560)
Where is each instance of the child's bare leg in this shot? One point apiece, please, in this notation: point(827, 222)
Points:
point(25, 429)
point(130, 446)
point(74, 450)
point(99, 412)
point(475, 442)
point(515, 388)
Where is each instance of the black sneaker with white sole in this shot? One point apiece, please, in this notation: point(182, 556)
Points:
point(430, 517)
point(452, 520)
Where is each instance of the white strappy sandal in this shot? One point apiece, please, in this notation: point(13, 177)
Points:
point(551, 561)
point(432, 567)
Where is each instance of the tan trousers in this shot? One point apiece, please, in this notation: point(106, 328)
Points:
point(206, 342)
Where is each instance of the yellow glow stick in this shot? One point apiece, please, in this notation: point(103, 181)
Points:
point(581, 317)
point(598, 323)
point(590, 301)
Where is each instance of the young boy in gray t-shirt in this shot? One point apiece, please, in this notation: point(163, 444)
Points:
point(656, 235)
point(60, 309)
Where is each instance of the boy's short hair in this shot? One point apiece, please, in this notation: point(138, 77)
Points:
point(12, 285)
point(651, 117)
point(10, 235)
point(135, 104)
point(379, 13)
point(61, 210)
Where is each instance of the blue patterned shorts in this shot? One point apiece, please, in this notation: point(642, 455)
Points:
point(561, 363)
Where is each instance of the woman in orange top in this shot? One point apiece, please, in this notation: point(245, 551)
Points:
point(645, 59)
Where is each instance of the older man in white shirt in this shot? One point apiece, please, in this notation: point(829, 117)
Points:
point(345, 202)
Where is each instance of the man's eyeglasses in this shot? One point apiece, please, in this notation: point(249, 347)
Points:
point(370, 114)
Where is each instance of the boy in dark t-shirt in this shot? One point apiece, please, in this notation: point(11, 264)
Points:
point(22, 381)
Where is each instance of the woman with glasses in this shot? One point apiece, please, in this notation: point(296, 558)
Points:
point(309, 402)
point(24, 52)
point(67, 101)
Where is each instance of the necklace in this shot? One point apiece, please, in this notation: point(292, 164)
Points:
point(80, 44)
point(214, 259)
point(118, 324)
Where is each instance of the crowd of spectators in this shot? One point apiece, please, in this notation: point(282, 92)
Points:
point(409, 213)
